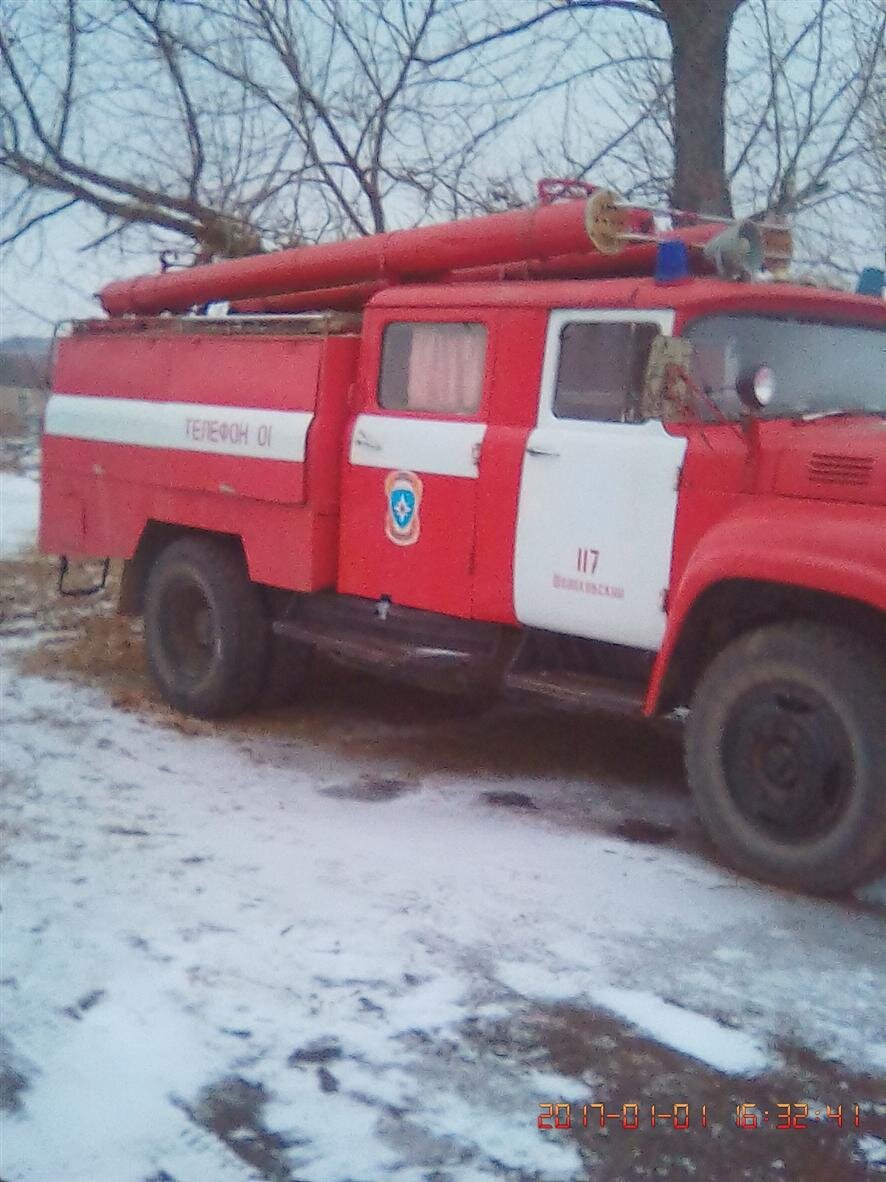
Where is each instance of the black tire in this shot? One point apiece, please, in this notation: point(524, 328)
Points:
point(786, 756)
point(206, 629)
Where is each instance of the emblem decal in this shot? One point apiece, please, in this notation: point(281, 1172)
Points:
point(402, 500)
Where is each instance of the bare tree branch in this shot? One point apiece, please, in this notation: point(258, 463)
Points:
point(556, 10)
point(227, 125)
point(31, 222)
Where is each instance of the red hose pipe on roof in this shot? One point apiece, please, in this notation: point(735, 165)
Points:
point(401, 255)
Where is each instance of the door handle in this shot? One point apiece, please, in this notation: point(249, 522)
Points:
point(361, 439)
point(541, 451)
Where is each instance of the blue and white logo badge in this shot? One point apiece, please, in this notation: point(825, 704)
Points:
point(403, 500)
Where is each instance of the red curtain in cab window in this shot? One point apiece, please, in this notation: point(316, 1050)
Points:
point(446, 364)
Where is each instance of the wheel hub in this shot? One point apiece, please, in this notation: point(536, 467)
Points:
point(788, 761)
point(780, 764)
point(203, 627)
point(189, 629)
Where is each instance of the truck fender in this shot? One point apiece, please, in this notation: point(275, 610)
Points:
point(779, 545)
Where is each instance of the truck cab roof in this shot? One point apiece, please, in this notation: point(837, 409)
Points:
point(694, 296)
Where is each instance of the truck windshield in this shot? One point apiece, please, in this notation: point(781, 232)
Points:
point(817, 368)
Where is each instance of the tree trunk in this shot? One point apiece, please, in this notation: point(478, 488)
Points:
point(699, 31)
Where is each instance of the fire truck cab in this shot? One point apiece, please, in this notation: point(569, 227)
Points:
point(616, 493)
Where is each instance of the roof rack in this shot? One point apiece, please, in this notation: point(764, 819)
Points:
point(265, 324)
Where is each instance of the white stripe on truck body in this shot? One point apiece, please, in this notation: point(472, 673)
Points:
point(181, 426)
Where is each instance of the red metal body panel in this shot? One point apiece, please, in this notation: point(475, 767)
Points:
point(463, 561)
point(833, 548)
point(421, 299)
point(97, 496)
point(513, 408)
point(335, 389)
point(707, 296)
point(436, 573)
point(739, 519)
point(286, 546)
point(277, 372)
point(690, 299)
point(117, 465)
point(729, 525)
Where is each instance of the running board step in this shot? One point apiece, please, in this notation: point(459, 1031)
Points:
point(587, 691)
point(442, 652)
point(390, 652)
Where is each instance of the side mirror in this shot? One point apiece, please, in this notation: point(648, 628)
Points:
point(756, 388)
point(666, 394)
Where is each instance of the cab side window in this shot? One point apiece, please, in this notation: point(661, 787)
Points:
point(600, 370)
point(433, 368)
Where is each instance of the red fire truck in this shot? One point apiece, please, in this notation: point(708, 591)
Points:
point(550, 451)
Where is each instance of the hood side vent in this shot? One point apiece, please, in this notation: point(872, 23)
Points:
point(826, 468)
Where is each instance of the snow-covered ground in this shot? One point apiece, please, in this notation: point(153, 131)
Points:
point(259, 952)
point(19, 509)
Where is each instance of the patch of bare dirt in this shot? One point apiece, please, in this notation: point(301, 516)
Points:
point(509, 800)
point(14, 1081)
point(372, 789)
point(636, 1071)
point(645, 832)
point(441, 733)
point(232, 1110)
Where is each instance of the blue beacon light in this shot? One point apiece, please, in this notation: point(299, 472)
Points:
point(870, 282)
point(671, 263)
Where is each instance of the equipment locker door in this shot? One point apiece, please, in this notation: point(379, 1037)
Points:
point(598, 494)
point(410, 484)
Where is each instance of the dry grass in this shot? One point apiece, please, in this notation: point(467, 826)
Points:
point(80, 638)
point(30, 607)
point(19, 452)
point(10, 422)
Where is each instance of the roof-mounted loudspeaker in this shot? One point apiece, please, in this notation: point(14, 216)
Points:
point(737, 253)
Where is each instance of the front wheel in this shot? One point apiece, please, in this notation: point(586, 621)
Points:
point(786, 756)
point(206, 628)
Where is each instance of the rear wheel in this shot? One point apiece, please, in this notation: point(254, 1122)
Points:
point(786, 756)
point(206, 629)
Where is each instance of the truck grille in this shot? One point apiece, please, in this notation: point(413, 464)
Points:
point(825, 468)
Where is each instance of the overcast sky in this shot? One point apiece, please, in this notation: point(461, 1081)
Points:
point(48, 277)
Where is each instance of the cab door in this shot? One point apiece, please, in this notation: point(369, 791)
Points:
point(410, 484)
point(598, 493)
